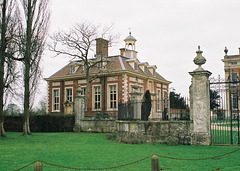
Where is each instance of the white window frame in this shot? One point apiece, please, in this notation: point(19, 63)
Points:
point(93, 97)
point(53, 100)
point(109, 97)
point(66, 95)
point(151, 86)
point(234, 75)
point(84, 88)
point(159, 100)
point(165, 99)
point(235, 101)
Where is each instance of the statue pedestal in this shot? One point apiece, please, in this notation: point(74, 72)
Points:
point(79, 110)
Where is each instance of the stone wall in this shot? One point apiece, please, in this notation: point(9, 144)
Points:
point(98, 125)
point(169, 132)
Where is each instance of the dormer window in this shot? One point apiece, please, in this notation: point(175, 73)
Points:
point(154, 72)
point(99, 65)
point(135, 66)
point(152, 69)
point(72, 69)
point(145, 69)
point(133, 63)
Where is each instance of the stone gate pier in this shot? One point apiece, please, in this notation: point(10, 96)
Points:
point(196, 131)
point(200, 102)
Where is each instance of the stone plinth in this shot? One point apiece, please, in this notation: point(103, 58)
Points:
point(136, 101)
point(79, 110)
point(167, 132)
point(200, 103)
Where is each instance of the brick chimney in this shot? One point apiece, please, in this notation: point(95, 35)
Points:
point(122, 50)
point(101, 47)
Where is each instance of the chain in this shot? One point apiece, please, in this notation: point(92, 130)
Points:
point(25, 166)
point(105, 168)
point(130, 163)
point(206, 158)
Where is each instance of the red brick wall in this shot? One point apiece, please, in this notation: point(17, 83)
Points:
point(89, 102)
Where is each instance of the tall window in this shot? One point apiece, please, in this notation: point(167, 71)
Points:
point(56, 100)
point(83, 91)
point(158, 100)
point(234, 77)
point(113, 96)
point(97, 97)
point(235, 101)
point(151, 86)
point(69, 94)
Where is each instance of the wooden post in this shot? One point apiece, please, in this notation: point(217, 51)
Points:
point(38, 166)
point(155, 163)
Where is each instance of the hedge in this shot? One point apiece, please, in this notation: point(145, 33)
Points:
point(41, 123)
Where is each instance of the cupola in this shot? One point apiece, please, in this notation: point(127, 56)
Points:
point(130, 42)
point(130, 46)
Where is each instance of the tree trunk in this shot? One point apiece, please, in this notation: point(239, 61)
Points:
point(26, 127)
point(2, 61)
point(87, 88)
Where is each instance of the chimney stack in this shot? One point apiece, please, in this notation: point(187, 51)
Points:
point(101, 47)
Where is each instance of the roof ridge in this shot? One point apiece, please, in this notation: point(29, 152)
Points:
point(121, 62)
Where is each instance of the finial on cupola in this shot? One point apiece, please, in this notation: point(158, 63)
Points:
point(129, 31)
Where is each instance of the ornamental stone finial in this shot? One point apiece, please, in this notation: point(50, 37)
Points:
point(199, 59)
point(226, 51)
point(79, 90)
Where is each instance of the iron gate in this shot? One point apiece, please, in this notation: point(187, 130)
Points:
point(224, 104)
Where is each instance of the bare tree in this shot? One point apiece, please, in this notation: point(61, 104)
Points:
point(8, 51)
point(33, 31)
point(78, 43)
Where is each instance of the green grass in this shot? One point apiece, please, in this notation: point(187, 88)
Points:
point(234, 125)
point(84, 150)
point(224, 137)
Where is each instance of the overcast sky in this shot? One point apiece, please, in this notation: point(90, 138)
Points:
point(168, 32)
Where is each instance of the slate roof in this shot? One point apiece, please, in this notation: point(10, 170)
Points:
point(114, 64)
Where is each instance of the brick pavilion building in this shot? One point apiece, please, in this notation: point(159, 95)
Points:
point(232, 73)
point(113, 76)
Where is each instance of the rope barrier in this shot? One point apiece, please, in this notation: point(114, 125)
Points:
point(207, 158)
point(105, 168)
point(26, 166)
point(130, 163)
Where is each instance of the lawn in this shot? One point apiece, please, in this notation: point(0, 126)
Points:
point(224, 137)
point(85, 150)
